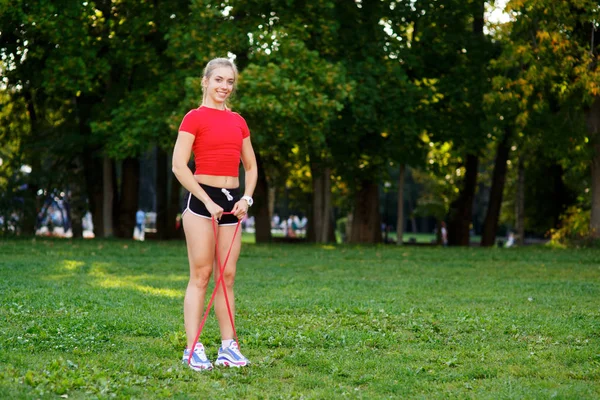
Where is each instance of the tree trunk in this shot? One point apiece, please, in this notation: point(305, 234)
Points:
point(175, 228)
point(400, 220)
point(520, 202)
point(593, 126)
point(560, 193)
point(461, 209)
point(115, 178)
point(490, 225)
point(366, 221)
point(93, 165)
point(328, 230)
point(107, 198)
point(413, 220)
point(321, 203)
point(128, 199)
point(331, 237)
point(162, 189)
point(76, 198)
point(272, 193)
point(76, 225)
point(93, 171)
point(260, 209)
point(31, 204)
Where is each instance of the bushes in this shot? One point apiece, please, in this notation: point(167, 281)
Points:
point(574, 229)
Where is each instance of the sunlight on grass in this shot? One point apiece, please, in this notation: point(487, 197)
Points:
point(111, 281)
point(71, 265)
point(104, 279)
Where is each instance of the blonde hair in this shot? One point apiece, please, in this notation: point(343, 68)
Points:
point(210, 68)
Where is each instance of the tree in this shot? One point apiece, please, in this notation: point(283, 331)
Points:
point(299, 113)
point(473, 136)
point(372, 128)
point(554, 47)
point(492, 216)
point(447, 56)
point(98, 84)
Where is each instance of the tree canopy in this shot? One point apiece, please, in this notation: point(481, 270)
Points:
point(338, 96)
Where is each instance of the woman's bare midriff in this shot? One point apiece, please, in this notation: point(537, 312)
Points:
point(227, 182)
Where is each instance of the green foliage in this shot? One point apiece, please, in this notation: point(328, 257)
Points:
point(14, 201)
point(99, 67)
point(546, 76)
point(550, 57)
point(439, 180)
point(352, 86)
point(379, 124)
point(453, 60)
point(290, 113)
point(574, 229)
point(103, 319)
point(299, 110)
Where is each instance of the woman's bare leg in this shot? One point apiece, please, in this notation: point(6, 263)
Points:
point(200, 243)
point(225, 241)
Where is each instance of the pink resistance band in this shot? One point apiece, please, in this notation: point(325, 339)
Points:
point(220, 281)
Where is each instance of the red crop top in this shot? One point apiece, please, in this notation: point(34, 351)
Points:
point(218, 143)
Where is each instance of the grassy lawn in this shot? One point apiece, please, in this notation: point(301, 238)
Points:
point(103, 319)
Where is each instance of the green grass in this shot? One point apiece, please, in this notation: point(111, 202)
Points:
point(103, 319)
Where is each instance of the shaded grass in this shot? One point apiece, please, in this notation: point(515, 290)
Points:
point(103, 319)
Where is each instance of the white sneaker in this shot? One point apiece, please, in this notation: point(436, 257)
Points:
point(231, 357)
point(199, 361)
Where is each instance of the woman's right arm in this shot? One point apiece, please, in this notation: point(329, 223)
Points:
point(181, 156)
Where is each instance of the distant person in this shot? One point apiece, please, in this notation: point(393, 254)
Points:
point(87, 225)
point(178, 222)
point(139, 219)
point(57, 217)
point(291, 231)
point(510, 242)
point(219, 138)
point(303, 222)
point(444, 233)
point(138, 232)
point(250, 222)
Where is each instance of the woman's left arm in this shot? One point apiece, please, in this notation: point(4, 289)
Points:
point(250, 167)
point(240, 209)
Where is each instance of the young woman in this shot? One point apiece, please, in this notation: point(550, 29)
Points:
point(219, 138)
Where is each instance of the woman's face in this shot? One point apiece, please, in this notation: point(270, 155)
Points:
point(220, 85)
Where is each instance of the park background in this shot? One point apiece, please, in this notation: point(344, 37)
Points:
point(364, 114)
point(484, 115)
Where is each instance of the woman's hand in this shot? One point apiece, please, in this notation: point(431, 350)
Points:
point(240, 209)
point(215, 210)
